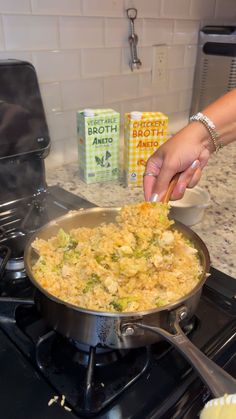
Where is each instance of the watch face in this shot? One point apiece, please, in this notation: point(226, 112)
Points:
point(23, 126)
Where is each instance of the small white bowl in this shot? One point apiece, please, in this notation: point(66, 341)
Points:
point(190, 209)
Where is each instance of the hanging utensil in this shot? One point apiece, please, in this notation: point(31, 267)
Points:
point(135, 62)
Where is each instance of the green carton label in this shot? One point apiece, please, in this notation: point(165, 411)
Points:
point(98, 142)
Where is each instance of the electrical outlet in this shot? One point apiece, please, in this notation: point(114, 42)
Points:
point(159, 65)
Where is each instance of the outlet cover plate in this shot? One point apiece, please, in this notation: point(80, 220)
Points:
point(159, 66)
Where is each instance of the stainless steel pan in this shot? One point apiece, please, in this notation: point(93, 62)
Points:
point(127, 330)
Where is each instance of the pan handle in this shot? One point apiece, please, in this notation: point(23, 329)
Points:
point(218, 381)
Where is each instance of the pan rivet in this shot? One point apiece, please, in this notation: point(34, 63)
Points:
point(182, 315)
point(128, 331)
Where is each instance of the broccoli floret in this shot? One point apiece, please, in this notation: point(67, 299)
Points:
point(120, 304)
point(93, 280)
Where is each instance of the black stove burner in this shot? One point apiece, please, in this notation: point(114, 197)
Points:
point(88, 385)
point(102, 356)
point(16, 241)
point(18, 220)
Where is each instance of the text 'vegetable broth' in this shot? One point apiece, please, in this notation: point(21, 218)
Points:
point(98, 144)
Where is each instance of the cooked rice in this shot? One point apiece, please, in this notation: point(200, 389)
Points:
point(138, 263)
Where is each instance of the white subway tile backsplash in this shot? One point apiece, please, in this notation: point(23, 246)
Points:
point(51, 95)
point(56, 7)
point(14, 6)
point(141, 104)
point(103, 8)
point(177, 121)
point(225, 9)
point(115, 105)
point(30, 32)
point(70, 150)
point(202, 9)
point(2, 43)
point(146, 87)
point(16, 55)
point(81, 32)
point(176, 9)
point(186, 32)
point(57, 65)
point(120, 88)
point(62, 125)
point(62, 152)
point(181, 78)
point(56, 155)
point(125, 60)
point(101, 62)
point(190, 55)
point(167, 103)
point(81, 52)
point(185, 100)
point(149, 8)
point(157, 32)
point(144, 54)
point(117, 32)
point(82, 93)
point(66, 151)
point(175, 56)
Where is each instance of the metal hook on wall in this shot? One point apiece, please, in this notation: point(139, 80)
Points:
point(135, 62)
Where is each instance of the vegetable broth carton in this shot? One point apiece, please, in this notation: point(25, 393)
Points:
point(98, 144)
point(144, 133)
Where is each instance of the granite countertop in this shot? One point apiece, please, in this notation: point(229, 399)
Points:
point(217, 229)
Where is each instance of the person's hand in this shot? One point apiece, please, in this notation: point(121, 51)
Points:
point(187, 153)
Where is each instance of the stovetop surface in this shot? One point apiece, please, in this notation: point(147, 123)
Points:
point(166, 386)
point(18, 219)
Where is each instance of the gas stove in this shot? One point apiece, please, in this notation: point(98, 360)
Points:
point(18, 220)
point(44, 375)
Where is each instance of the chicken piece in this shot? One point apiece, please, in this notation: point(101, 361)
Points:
point(167, 238)
point(111, 285)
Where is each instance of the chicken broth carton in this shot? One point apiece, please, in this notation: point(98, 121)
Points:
point(144, 133)
point(98, 144)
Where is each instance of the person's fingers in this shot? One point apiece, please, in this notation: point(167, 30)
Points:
point(180, 188)
point(152, 167)
point(204, 157)
point(165, 168)
point(184, 180)
point(167, 172)
point(187, 175)
point(195, 179)
point(148, 184)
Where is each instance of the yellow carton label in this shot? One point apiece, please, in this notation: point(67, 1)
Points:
point(142, 137)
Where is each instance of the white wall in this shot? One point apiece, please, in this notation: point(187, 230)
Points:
point(81, 53)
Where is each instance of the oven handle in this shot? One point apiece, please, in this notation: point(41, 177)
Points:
point(6, 252)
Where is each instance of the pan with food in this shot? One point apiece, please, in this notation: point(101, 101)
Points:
point(116, 302)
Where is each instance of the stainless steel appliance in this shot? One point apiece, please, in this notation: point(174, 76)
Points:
point(215, 71)
point(36, 362)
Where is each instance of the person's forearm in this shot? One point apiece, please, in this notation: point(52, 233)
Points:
point(222, 113)
point(228, 134)
point(223, 110)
